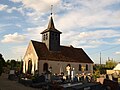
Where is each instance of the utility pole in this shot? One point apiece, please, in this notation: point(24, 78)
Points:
point(100, 58)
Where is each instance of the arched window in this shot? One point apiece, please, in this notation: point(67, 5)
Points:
point(29, 66)
point(68, 69)
point(45, 67)
point(69, 65)
point(86, 67)
point(46, 36)
point(80, 67)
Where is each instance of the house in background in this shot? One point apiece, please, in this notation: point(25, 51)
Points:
point(50, 55)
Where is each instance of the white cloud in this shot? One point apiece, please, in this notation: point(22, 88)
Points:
point(3, 7)
point(18, 25)
point(82, 13)
point(91, 39)
point(99, 34)
point(10, 10)
point(35, 8)
point(14, 38)
point(39, 5)
point(34, 33)
point(85, 18)
point(15, 1)
point(117, 40)
point(118, 53)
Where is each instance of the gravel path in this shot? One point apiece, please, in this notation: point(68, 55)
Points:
point(6, 84)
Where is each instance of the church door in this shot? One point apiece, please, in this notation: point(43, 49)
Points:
point(29, 66)
point(45, 67)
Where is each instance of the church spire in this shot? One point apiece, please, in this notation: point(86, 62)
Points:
point(51, 26)
point(51, 23)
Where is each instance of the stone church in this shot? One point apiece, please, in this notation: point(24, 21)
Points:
point(49, 55)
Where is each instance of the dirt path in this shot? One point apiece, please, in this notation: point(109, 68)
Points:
point(6, 84)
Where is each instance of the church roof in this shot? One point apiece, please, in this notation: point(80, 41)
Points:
point(66, 54)
point(51, 27)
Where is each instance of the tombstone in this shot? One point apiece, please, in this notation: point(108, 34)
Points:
point(11, 75)
point(12, 72)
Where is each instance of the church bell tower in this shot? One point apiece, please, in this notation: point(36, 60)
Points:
point(51, 36)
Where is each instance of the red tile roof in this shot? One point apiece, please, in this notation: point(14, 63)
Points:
point(66, 54)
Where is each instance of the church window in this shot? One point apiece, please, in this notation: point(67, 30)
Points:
point(69, 65)
point(80, 67)
point(45, 67)
point(86, 67)
point(46, 36)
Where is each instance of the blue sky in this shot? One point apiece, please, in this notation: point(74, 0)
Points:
point(93, 25)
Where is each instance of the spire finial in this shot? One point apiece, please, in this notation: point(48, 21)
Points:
point(51, 9)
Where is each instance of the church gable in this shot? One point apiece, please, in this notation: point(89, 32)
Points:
point(30, 52)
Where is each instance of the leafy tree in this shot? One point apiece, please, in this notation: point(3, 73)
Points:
point(2, 64)
point(21, 66)
point(110, 64)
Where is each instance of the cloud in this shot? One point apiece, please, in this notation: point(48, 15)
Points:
point(18, 25)
point(15, 1)
point(13, 38)
point(85, 18)
point(117, 40)
point(20, 10)
point(100, 34)
point(34, 9)
point(90, 39)
point(34, 33)
point(3, 7)
point(43, 5)
point(76, 14)
point(118, 53)
point(88, 14)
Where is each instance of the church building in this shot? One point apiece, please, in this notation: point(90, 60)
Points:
point(49, 55)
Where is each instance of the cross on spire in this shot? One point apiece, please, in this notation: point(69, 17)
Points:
point(51, 9)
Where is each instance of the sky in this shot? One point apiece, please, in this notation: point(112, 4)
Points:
point(93, 25)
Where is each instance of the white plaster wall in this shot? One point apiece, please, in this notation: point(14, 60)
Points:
point(56, 65)
point(30, 55)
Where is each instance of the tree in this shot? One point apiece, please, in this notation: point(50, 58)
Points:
point(2, 64)
point(110, 64)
